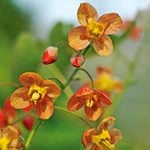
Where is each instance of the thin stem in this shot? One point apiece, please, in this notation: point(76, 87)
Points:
point(10, 84)
point(73, 113)
point(58, 81)
point(75, 70)
point(32, 133)
point(92, 82)
point(70, 78)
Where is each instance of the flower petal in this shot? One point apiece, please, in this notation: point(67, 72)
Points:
point(104, 97)
point(103, 46)
point(53, 89)
point(3, 119)
point(11, 132)
point(86, 137)
point(30, 78)
point(115, 22)
point(76, 40)
point(85, 90)
point(115, 135)
point(19, 99)
point(107, 123)
point(86, 11)
point(94, 112)
point(75, 103)
point(8, 109)
point(44, 108)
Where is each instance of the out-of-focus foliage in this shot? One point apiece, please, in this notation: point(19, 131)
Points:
point(20, 51)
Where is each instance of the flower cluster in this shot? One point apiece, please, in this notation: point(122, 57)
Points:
point(39, 94)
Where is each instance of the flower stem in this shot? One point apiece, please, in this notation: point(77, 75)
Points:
point(92, 82)
point(75, 70)
point(73, 113)
point(32, 133)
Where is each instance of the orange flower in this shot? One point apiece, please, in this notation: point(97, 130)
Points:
point(105, 81)
point(103, 138)
point(36, 93)
point(10, 139)
point(91, 99)
point(94, 29)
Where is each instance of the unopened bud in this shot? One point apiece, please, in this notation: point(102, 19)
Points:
point(50, 55)
point(77, 60)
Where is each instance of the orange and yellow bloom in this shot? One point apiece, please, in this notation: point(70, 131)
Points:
point(92, 101)
point(103, 138)
point(106, 81)
point(36, 93)
point(94, 30)
point(10, 139)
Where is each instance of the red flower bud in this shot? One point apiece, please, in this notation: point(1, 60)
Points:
point(50, 55)
point(28, 122)
point(77, 60)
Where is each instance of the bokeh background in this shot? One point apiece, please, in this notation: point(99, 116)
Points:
point(28, 27)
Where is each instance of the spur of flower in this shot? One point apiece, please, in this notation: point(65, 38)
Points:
point(10, 139)
point(94, 29)
point(106, 81)
point(36, 93)
point(91, 99)
point(104, 137)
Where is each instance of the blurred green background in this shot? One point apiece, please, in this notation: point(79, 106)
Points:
point(21, 51)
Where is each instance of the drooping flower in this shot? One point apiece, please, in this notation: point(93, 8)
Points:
point(50, 55)
point(103, 138)
point(10, 139)
point(77, 60)
point(92, 101)
point(7, 114)
point(36, 93)
point(94, 30)
point(105, 81)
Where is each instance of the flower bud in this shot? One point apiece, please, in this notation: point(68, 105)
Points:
point(50, 55)
point(77, 60)
point(28, 122)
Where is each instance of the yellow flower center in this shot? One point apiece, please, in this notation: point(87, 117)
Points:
point(95, 29)
point(105, 82)
point(4, 143)
point(90, 100)
point(103, 140)
point(89, 103)
point(36, 93)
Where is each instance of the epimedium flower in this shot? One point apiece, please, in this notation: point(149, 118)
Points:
point(92, 101)
point(36, 93)
point(50, 55)
point(106, 81)
point(94, 30)
point(104, 137)
point(10, 139)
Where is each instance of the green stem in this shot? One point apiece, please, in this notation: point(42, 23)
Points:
point(32, 133)
point(92, 82)
point(73, 113)
point(75, 70)
point(58, 81)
